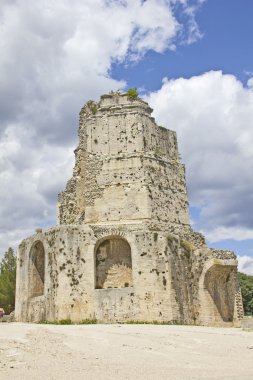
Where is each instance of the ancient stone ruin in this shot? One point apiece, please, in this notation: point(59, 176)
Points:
point(124, 249)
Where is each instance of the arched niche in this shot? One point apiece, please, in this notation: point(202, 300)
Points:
point(113, 263)
point(37, 269)
point(220, 283)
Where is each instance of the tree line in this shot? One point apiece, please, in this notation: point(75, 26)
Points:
point(246, 285)
point(8, 284)
point(8, 281)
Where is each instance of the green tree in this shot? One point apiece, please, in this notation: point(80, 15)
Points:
point(8, 281)
point(246, 284)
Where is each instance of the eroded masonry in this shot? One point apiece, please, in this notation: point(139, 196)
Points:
point(123, 248)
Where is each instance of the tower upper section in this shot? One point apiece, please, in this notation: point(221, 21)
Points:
point(118, 125)
point(127, 167)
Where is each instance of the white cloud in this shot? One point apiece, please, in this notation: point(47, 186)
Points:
point(250, 83)
point(245, 264)
point(224, 233)
point(193, 32)
point(54, 57)
point(213, 116)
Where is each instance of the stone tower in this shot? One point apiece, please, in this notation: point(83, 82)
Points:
point(124, 249)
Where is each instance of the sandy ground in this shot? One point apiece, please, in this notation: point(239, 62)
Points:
point(29, 351)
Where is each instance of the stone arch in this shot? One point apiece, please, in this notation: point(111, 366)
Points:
point(220, 283)
point(37, 269)
point(113, 263)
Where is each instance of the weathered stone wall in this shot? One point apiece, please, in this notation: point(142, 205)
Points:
point(127, 167)
point(169, 279)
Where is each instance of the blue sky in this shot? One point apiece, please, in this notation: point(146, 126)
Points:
point(226, 45)
point(192, 60)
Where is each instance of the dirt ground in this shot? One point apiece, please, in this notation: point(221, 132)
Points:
point(30, 351)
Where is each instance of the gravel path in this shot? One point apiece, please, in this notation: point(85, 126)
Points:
point(51, 352)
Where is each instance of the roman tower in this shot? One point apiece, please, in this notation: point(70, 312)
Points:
point(124, 248)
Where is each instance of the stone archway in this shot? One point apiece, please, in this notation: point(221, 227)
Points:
point(220, 283)
point(113, 263)
point(37, 269)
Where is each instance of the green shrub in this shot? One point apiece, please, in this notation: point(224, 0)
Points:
point(65, 322)
point(88, 322)
point(132, 93)
point(171, 238)
point(187, 246)
point(92, 106)
point(246, 285)
point(69, 322)
point(94, 109)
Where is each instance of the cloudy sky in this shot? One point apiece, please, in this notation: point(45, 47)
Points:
point(191, 59)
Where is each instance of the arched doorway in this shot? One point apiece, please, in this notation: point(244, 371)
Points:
point(113, 264)
point(220, 283)
point(37, 269)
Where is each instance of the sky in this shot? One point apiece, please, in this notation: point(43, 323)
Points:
point(192, 60)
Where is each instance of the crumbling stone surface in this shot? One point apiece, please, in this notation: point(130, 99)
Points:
point(247, 323)
point(124, 248)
